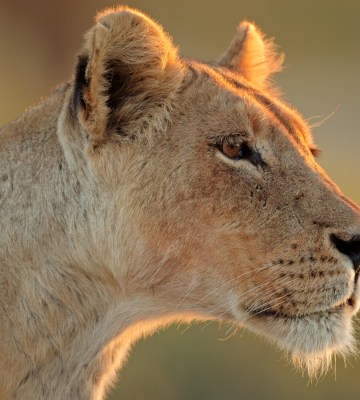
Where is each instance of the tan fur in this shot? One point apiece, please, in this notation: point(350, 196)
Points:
point(120, 214)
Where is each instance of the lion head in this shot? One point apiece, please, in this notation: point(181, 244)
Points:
point(210, 203)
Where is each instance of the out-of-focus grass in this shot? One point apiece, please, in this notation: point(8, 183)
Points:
point(38, 43)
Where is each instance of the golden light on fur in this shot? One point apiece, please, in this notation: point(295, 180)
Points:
point(123, 211)
point(251, 55)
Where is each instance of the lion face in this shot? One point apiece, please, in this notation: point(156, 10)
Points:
point(217, 181)
point(254, 223)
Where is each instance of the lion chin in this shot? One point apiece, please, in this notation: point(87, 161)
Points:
point(311, 341)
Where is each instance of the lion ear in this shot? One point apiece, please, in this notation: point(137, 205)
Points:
point(127, 69)
point(251, 55)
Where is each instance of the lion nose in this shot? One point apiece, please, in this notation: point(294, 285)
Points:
point(350, 248)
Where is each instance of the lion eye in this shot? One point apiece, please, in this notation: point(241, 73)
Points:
point(235, 151)
point(232, 151)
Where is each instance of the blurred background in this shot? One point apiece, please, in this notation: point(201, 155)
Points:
point(321, 39)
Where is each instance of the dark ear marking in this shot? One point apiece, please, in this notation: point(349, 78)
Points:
point(120, 85)
point(124, 86)
point(81, 82)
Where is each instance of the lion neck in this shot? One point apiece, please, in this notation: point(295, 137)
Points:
point(77, 298)
point(75, 316)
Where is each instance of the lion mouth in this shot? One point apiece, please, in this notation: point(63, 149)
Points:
point(274, 314)
point(351, 303)
point(357, 273)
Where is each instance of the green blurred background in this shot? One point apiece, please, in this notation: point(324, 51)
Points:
point(321, 40)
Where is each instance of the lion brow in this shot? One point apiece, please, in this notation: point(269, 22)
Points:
point(292, 125)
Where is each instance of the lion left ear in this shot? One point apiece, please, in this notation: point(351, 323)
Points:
point(126, 74)
point(251, 55)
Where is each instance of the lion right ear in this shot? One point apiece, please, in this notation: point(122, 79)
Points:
point(127, 70)
point(251, 55)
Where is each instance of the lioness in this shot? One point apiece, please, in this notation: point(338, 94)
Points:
point(151, 189)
